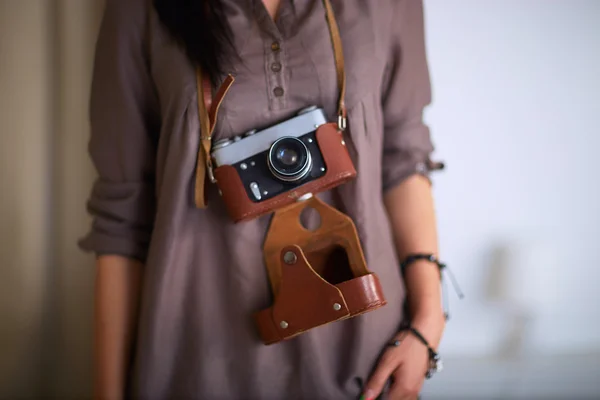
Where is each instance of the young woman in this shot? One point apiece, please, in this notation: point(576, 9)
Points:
point(176, 285)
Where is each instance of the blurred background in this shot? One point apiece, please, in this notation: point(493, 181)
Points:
point(516, 117)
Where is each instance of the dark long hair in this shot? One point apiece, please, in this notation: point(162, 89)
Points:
point(201, 28)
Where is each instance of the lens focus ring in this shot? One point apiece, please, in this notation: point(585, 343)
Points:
point(289, 159)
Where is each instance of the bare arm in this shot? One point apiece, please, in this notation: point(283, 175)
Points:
point(116, 308)
point(411, 211)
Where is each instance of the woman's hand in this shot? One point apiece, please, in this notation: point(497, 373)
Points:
point(407, 363)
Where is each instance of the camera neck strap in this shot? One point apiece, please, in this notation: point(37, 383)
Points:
point(207, 115)
point(208, 107)
point(336, 41)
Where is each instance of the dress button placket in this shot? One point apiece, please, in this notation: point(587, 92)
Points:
point(275, 76)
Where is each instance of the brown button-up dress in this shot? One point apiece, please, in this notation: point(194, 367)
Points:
point(204, 276)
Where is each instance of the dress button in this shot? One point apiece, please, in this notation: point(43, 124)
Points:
point(276, 67)
point(278, 91)
point(275, 46)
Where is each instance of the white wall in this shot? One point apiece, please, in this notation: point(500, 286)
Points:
point(516, 116)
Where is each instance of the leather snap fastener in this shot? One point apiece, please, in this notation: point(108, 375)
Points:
point(275, 46)
point(278, 91)
point(276, 67)
point(337, 306)
point(283, 324)
point(290, 258)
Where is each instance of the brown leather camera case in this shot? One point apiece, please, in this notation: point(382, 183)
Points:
point(317, 277)
point(339, 170)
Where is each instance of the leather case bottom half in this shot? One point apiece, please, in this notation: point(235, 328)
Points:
point(317, 277)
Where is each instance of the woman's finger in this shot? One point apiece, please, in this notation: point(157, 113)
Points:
point(406, 385)
point(386, 366)
point(410, 375)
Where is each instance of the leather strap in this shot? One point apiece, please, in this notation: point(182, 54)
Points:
point(207, 113)
point(207, 109)
point(338, 54)
point(204, 145)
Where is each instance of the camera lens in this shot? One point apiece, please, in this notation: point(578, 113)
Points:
point(289, 159)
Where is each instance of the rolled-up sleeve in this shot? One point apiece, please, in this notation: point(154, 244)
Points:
point(124, 122)
point(406, 91)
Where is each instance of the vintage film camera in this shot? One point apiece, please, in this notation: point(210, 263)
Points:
point(261, 171)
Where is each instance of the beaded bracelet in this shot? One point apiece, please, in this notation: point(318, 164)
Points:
point(411, 258)
point(435, 361)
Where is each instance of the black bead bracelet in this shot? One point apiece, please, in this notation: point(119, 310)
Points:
point(435, 361)
point(412, 258)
